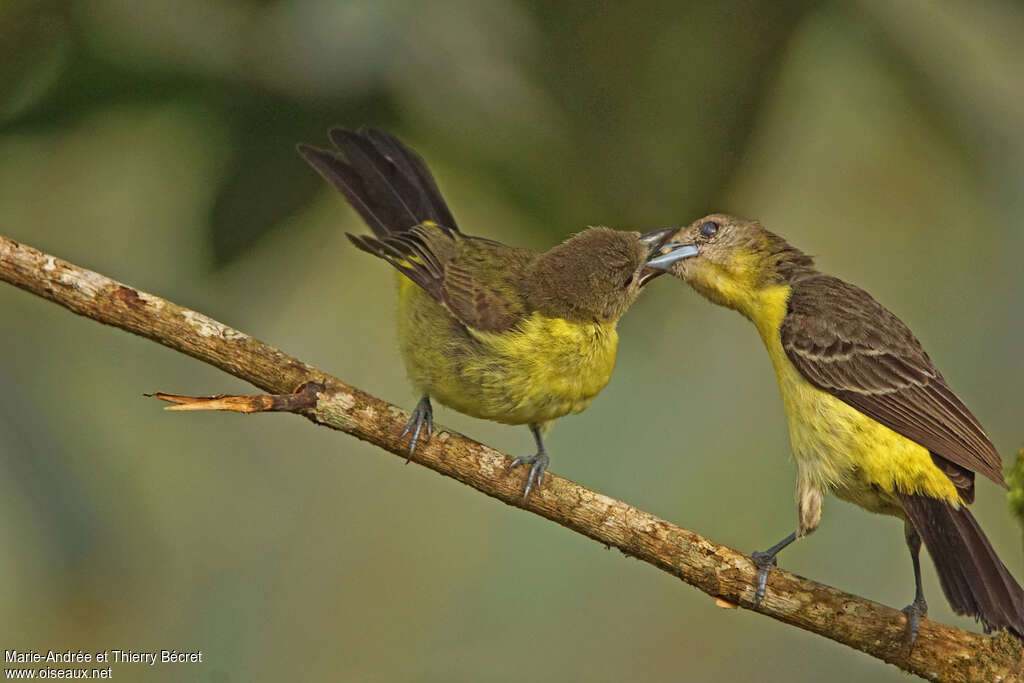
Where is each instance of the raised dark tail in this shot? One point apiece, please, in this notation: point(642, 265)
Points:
point(385, 181)
point(974, 579)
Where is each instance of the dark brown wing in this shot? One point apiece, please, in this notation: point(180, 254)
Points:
point(475, 279)
point(846, 343)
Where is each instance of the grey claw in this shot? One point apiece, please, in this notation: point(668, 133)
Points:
point(764, 563)
point(415, 438)
point(422, 416)
point(914, 611)
point(538, 465)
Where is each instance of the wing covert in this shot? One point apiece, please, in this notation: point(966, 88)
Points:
point(846, 343)
point(474, 279)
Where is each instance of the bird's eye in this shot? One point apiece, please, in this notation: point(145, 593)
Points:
point(709, 228)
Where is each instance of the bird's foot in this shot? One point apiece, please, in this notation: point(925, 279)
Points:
point(914, 612)
point(764, 561)
point(538, 465)
point(422, 419)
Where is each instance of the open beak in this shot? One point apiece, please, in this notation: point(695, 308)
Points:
point(669, 254)
point(653, 240)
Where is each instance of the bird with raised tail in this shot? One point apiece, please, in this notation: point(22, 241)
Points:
point(493, 331)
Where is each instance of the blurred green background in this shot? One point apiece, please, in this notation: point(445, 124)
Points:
point(153, 141)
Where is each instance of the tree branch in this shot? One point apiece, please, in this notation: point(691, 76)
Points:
point(942, 653)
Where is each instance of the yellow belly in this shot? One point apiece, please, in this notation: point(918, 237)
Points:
point(836, 447)
point(544, 369)
point(839, 448)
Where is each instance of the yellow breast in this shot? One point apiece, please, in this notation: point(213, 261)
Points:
point(545, 368)
point(837, 447)
point(542, 369)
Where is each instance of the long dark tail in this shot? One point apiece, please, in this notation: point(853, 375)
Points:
point(385, 181)
point(974, 579)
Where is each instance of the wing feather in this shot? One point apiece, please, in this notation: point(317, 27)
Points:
point(846, 343)
point(458, 272)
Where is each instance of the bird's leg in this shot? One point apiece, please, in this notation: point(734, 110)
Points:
point(538, 463)
point(919, 608)
point(764, 560)
point(422, 416)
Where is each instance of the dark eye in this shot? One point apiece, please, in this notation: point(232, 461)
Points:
point(709, 228)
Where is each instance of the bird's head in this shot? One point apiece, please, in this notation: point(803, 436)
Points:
point(594, 275)
point(730, 260)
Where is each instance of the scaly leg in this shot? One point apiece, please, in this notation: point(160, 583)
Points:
point(538, 463)
point(918, 608)
point(764, 560)
point(422, 416)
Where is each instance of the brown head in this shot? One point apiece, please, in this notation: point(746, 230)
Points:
point(730, 260)
point(593, 276)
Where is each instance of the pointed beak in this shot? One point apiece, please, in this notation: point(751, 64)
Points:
point(670, 253)
point(654, 240)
